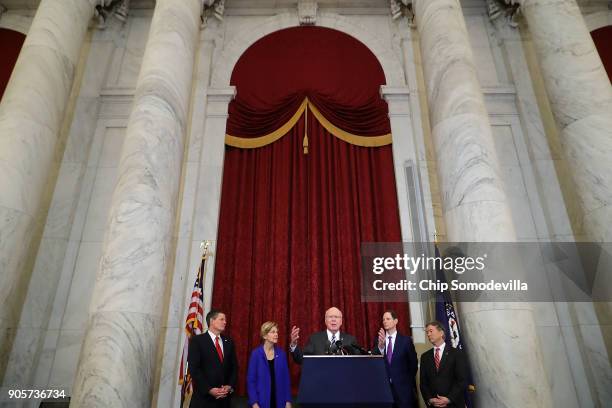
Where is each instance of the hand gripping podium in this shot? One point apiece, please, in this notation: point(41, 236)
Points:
point(344, 381)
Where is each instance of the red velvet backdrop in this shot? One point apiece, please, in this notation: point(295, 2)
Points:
point(603, 41)
point(291, 224)
point(10, 45)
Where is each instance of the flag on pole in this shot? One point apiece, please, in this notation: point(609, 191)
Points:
point(445, 314)
point(194, 325)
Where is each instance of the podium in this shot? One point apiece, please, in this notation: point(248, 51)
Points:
point(344, 381)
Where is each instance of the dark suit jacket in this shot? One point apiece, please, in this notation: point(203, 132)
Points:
point(318, 344)
point(449, 381)
point(402, 370)
point(259, 381)
point(208, 372)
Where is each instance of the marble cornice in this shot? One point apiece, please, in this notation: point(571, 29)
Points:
point(33, 4)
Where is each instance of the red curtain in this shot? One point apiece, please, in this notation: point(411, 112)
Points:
point(603, 41)
point(291, 224)
point(10, 46)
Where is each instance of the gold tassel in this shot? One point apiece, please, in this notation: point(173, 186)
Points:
point(305, 141)
point(305, 144)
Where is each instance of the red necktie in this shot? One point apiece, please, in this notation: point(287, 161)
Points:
point(437, 358)
point(218, 347)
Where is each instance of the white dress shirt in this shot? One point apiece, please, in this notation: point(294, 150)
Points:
point(441, 347)
point(213, 336)
point(330, 334)
point(387, 335)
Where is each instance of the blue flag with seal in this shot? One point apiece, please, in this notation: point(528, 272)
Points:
point(446, 315)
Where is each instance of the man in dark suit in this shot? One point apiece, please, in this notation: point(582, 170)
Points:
point(400, 360)
point(212, 364)
point(443, 371)
point(330, 341)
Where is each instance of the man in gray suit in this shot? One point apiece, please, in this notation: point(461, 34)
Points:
point(330, 341)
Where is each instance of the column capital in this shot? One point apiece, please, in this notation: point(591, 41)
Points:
point(214, 8)
point(104, 9)
point(394, 93)
point(218, 101)
point(402, 8)
point(508, 11)
point(226, 94)
point(397, 98)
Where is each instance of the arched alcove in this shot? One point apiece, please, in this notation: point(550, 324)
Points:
point(236, 47)
point(292, 219)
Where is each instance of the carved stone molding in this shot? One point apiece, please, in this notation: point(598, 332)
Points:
point(106, 9)
point(402, 8)
point(504, 10)
point(307, 12)
point(212, 8)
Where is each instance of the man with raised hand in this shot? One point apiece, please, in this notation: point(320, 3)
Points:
point(329, 341)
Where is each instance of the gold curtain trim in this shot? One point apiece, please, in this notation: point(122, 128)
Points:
point(252, 143)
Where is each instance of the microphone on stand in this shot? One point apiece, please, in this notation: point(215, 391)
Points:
point(339, 348)
point(360, 349)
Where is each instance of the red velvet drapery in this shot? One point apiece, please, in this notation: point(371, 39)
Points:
point(291, 224)
point(603, 41)
point(10, 46)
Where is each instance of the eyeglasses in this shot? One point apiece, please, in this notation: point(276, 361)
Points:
point(333, 317)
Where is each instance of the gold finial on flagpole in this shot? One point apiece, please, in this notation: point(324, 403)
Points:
point(204, 247)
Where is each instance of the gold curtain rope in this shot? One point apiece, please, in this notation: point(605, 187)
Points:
point(252, 143)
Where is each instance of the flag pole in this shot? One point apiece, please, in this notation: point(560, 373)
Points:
point(197, 325)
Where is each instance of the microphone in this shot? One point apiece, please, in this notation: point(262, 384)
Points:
point(334, 347)
point(360, 349)
point(339, 347)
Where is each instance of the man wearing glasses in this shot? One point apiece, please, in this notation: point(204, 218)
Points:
point(330, 341)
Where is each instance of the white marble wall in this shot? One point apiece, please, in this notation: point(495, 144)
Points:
point(528, 173)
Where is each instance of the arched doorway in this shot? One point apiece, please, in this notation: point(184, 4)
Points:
point(295, 209)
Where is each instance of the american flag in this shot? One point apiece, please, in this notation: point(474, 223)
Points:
point(446, 315)
point(194, 325)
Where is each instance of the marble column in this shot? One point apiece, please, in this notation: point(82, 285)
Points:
point(475, 208)
point(117, 363)
point(580, 96)
point(31, 114)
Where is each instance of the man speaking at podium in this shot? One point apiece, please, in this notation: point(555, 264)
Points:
point(330, 341)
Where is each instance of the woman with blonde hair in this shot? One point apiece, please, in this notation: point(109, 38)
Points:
point(268, 382)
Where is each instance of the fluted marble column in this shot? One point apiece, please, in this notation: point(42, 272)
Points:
point(475, 207)
point(31, 113)
point(118, 356)
point(580, 96)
